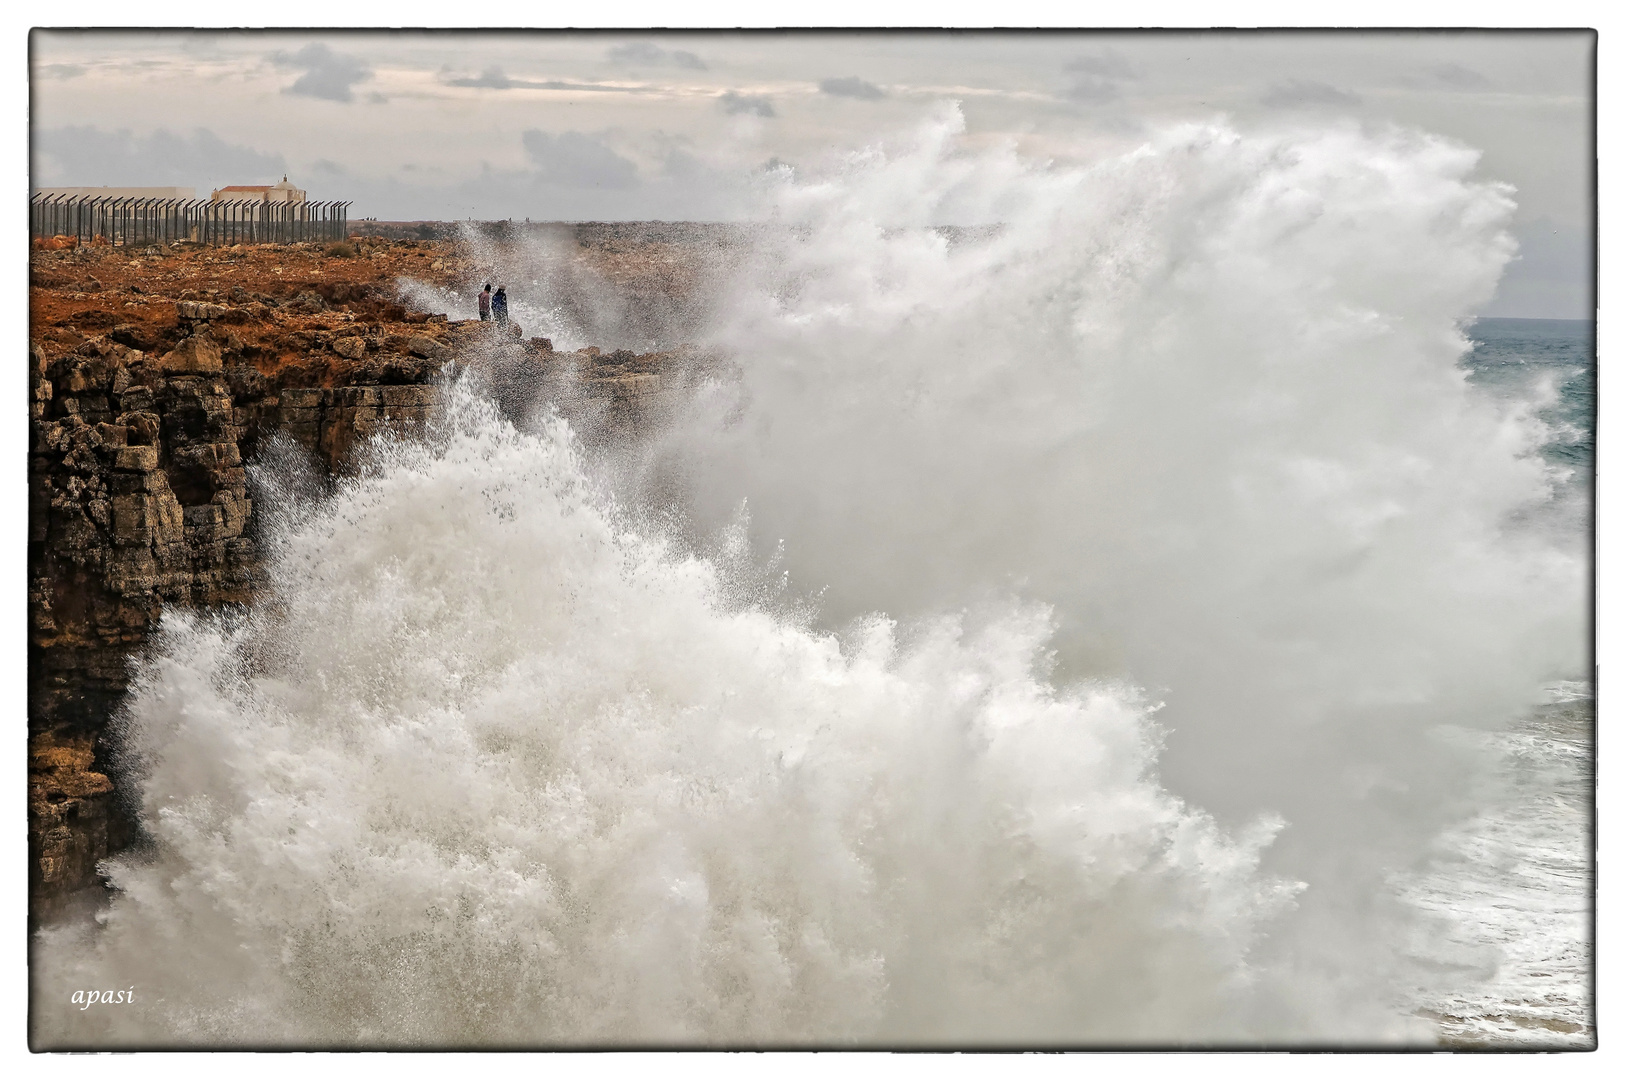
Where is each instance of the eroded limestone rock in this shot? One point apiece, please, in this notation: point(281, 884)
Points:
point(197, 354)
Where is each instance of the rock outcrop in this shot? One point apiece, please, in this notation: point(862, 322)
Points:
point(143, 415)
point(139, 499)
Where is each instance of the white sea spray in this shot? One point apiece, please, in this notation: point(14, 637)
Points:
point(484, 767)
point(499, 759)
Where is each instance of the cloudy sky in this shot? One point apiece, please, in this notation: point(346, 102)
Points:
point(573, 126)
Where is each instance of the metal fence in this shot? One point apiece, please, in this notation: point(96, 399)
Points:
point(151, 221)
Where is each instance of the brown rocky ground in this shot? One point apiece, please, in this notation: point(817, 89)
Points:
point(154, 376)
point(643, 259)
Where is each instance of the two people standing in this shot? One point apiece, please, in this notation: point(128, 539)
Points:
point(494, 306)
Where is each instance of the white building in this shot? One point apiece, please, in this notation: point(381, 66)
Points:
point(283, 192)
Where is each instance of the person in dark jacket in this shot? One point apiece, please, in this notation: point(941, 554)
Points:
point(485, 303)
point(499, 306)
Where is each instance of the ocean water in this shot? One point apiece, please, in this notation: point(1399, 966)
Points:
point(1136, 625)
point(1553, 363)
point(1514, 884)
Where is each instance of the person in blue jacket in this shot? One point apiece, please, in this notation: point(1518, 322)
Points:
point(499, 306)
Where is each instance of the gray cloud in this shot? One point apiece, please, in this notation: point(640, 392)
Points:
point(1098, 79)
point(1552, 276)
point(642, 53)
point(684, 168)
point(852, 87)
point(637, 52)
point(1299, 93)
point(491, 78)
point(757, 104)
point(89, 156)
point(60, 71)
point(1093, 90)
point(202, 44)
point(494, 78)
point(328, 75)
point(1106, 65)
point(1462, 78)
point(684, 189)
point(576, 160)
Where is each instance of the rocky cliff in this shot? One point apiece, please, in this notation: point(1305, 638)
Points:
point(152, 381)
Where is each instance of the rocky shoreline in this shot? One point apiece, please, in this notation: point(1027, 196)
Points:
point(152, 381)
